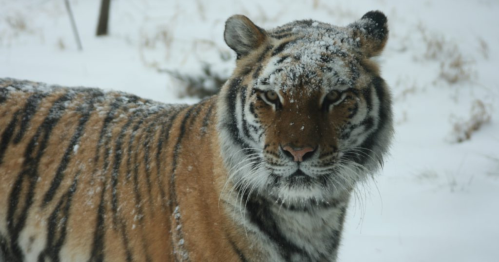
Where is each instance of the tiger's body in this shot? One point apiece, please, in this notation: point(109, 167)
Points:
point(261, 172)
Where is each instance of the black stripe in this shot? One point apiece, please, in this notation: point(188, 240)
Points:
point(4, 93)
point(119, 223)
point(306, 23)
point(98, 244)
point(17, 215)
point(207, 117)
point(261, 216)
point(5, 254)
point(29, 111)
point(104, 139)
point(146, 149)
point(97, 253)
point(239, 253)
point(384, 117)
point(368, 123)
point(284, 57)
point(8, 133)
point(282, 46)
point(264, 54)
point(243, 115)
point(352, 111)
point(252, 110)
point(116, 166)
point(281, 36)
point(136, 185)
point(367, 94)
point(164, 137)
point(146, 146)
point(136, 179)
point(334, 240)
point(256, 74)
point(56, 182)
point(57, 225)
point(176, 153)
point(245, 71)
point(199, 107)
point(258, 69)
point(282, 30)
point(134, 169)
point(126, 242)
point(130, 145)
point(231, 123)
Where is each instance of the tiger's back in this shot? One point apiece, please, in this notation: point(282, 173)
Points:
point(87, 175)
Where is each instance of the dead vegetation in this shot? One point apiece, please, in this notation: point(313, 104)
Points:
point(17, 22)
point(494, 172)
point(484, 48)
point(463, 129)
point(13, 26)
point(410, 87)
point(204, 84)
point(161, 39)
point(455, 70)
point(454, 66)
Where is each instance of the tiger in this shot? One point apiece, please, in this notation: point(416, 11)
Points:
point(262, 171)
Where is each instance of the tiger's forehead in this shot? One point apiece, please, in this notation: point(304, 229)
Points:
point(314, 55)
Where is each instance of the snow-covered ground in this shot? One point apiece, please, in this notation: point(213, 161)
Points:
point(435, 200)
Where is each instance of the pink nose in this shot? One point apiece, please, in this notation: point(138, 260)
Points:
point(298, 153)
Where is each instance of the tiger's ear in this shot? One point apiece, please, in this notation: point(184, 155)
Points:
point(242, 36)
point(372, 30)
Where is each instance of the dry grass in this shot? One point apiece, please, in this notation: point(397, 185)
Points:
point(60, 44)
point(201, 10)
point(316, 4)
point(455, 70)
point(202, 85)
point(162, 39)
point(409, 88)
point(404, 118)
point(454, 66)
point(17, 22)
point(463, 129)
point(484, 48)
point(14, 26)
point(494, 173)
point(427, 175)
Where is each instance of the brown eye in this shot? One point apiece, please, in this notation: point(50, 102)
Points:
point(271, 95)
point(333, 96)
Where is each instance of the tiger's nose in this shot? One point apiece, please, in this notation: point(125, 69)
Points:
point(299, 154)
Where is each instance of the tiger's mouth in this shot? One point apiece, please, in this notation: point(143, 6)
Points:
point(303, 189)
point(299, 174)
point(299, 179)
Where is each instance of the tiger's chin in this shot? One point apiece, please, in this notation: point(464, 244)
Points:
point(300, 191)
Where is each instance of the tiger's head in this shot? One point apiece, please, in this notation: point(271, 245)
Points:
point(305, 115)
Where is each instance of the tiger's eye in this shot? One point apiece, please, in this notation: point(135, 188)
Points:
point(333, 96)
point(271, 95)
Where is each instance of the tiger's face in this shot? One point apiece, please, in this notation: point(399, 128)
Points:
point(305, 115)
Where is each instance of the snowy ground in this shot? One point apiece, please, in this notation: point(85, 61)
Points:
point(436, 199)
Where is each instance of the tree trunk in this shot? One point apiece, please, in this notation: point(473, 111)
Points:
point(103, 17)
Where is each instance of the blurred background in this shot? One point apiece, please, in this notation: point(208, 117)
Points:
point(437, 198)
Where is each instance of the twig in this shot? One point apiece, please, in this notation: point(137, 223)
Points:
point(73, 24)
